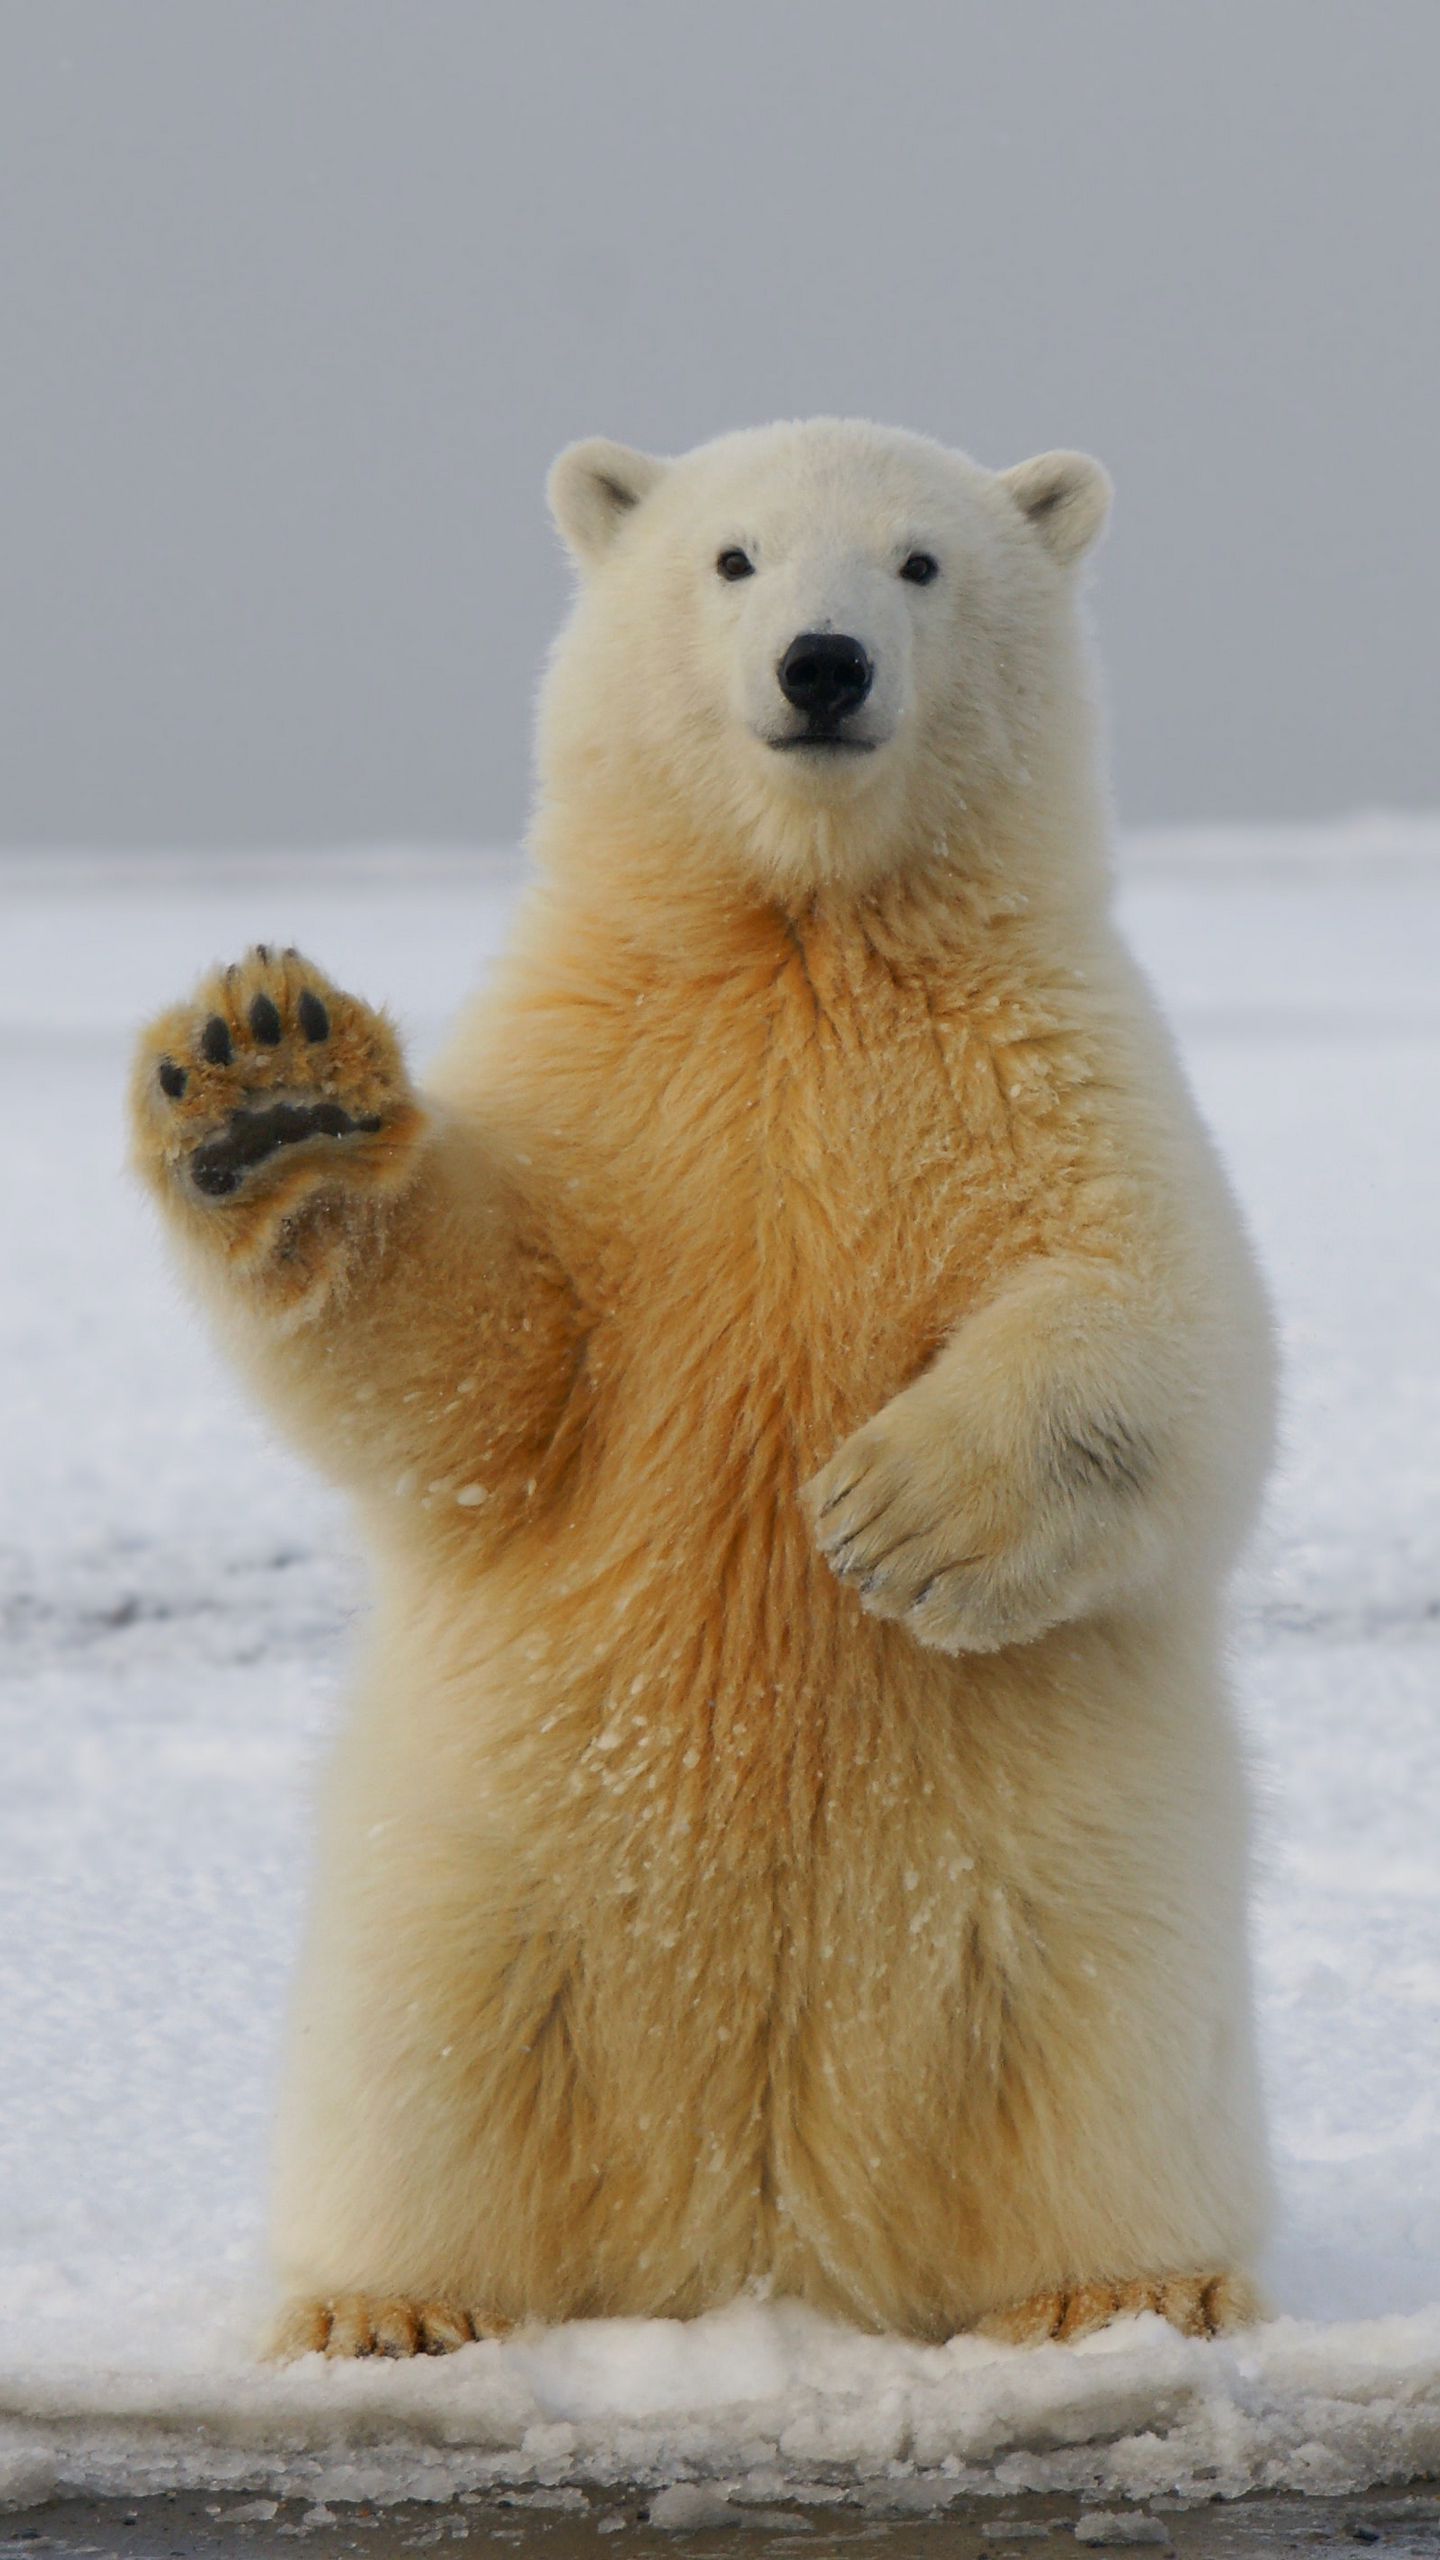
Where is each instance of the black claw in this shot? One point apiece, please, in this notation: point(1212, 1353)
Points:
point(173, 1079)
point(314, 1020)
point(215, 1043)
point(265, 1020)
point(262, 954)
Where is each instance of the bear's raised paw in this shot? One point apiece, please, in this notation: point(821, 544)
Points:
point(269, 1078)
point(364, 2324)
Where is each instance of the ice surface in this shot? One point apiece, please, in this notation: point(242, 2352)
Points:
point(179, 1602)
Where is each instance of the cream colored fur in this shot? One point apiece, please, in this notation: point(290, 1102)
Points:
point(803, 1384)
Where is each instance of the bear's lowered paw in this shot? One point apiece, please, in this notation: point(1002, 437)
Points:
point(966, 1552)
point(1199, 2306)
point(363, 2324)
point(269, 1082)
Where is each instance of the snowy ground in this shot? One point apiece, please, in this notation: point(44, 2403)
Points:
point(178, 1598)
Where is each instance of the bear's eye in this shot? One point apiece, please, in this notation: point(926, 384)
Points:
point(920, 568)
point(735, 564)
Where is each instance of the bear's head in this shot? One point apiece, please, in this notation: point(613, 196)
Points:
point(820, 651)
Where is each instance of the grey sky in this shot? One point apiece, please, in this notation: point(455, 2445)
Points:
point(300, 296)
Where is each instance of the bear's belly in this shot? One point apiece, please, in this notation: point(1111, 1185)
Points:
point(689, 1742)
point(772, 1914)
point(776, 1924)
point(750, 1814)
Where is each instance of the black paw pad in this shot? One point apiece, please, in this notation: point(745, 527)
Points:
point(314, 1020)
point(221, 1164)
point(265, 1020)
point(173, 1079)
point(215, 1043)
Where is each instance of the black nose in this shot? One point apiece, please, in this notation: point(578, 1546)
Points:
point(825, 674)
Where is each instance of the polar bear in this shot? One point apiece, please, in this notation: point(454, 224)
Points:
point(803, 1384)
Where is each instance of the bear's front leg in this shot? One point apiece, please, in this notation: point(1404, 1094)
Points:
point(383, 1270)
point(1029, 1476)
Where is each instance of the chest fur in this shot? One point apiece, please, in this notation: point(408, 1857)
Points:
point(822, 1151)
point(780, 1180)
point(783, 1171)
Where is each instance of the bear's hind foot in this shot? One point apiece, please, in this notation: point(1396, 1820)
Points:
point(1199, 2306)
point(366, 2324)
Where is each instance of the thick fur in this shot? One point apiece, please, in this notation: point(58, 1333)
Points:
point(804, 1385)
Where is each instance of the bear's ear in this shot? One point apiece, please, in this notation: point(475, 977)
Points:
point(1066, 497)
point(593, 487)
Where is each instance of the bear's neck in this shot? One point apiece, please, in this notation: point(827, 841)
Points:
point(686, 900)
